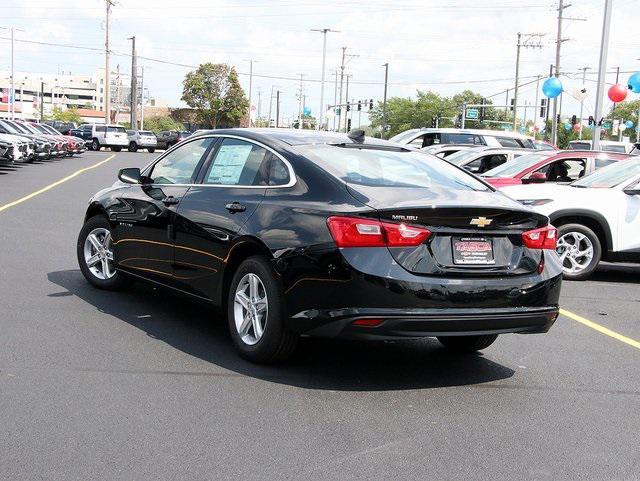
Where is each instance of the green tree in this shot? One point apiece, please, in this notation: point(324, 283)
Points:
point(215, 92)
point(158, 124)
point(627, 110)
point(69, 115)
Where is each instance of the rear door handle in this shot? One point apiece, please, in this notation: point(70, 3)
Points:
point(170, 200)
point(234, 207)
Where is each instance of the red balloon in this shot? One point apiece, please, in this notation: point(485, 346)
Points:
point(576, 127)
point(617, 93)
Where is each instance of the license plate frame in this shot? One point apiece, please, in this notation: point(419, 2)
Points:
point(472, 251)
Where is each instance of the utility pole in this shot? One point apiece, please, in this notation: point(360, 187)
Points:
point(324, 59)
point(250, 87)
point(142, 99)
point(270, 105)
point(133, 118)
point(535, 109)
point(584, 75)
point(335, 98)
point(384, 101)
point(342, 65)
point(602, 67)
point(559, 40)
point(107, 67)
point(12, 95)
point(259, 105)
point(277, 108)
point(300, 106)
point(617, 80)
point(527, 42)
point(41, 101)
point(346, 98)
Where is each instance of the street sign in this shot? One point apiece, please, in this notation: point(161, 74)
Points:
point(472, 114)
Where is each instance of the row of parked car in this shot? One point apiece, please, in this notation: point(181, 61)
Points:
point(116, 138)
point(22, 141)
point(591, 197)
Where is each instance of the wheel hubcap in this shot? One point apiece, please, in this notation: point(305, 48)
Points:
point(575, 251)
point(98, 253)
point(250, 309)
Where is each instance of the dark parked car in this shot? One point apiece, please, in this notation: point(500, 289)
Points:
point(169, 138)
point(327, 235)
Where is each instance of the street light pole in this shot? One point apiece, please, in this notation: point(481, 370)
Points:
point(559, 40)
point(107, 67)
point(384, 101)
point(602, 67)
point(515, 90)
point(133, 116)
point(584, 75)
point(324, 59)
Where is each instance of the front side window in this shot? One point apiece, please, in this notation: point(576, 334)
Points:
point(238, 162)
point(564, 170)
point(518, 165)
point(179, 165)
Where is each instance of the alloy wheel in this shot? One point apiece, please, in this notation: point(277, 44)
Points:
point(576, 252)
point(250, 309)
point(98, 253)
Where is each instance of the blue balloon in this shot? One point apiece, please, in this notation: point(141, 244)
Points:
point(552, 87)
point(634, 83)
point(628, 124)
point(567, 127)
point(306, 111)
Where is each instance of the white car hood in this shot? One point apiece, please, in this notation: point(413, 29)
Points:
point(539, 191)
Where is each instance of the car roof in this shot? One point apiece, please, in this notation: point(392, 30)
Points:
point(591, 153)
point(451, 130)
point(294, 136)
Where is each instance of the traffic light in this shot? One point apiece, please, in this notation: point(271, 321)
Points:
point(348, 125)
point(434, 122)
point(459, 120)
point(558, 118)
point(574, 120)
point(592, 121)
point(371, 104)
point(359, 105)
point(513, 103)
point(348, 107)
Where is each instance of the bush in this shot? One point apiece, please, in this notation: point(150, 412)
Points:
point(158, 124)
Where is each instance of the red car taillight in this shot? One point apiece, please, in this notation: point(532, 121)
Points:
point(358, 232)
point(542, 238)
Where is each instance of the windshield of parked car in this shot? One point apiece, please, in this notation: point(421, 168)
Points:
point(611, 175)
point(30, 129)
point(517, 165)
point(10, 128)
point(403, 135)
point(19, 128)
point(385, 168)
point(462, 156)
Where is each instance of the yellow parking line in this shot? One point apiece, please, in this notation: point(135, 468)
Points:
point(56, 183)
point(599, 328)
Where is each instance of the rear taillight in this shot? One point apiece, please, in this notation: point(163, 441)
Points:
point(358, 232)
point(542, 238)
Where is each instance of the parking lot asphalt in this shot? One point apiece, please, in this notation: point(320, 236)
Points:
point(145, 385)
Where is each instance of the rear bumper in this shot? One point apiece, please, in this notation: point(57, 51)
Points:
point(417, 323)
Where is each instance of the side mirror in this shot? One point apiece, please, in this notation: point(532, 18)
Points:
point(130, 175)
point(535, 178)
point(632, 191)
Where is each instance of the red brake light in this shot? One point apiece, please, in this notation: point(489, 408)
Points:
point(358, 232)
point(542, 238)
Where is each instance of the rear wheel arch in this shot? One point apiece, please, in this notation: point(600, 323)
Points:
point(594, 221)
point(241, 250)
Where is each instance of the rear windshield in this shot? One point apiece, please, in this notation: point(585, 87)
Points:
point(145, 132)
point(517, 165)
point(580, 145)
point(382, 168)
point(119, 130)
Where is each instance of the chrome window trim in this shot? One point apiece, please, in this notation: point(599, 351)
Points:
point(292, 176)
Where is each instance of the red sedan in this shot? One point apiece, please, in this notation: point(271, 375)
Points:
point(548, 166)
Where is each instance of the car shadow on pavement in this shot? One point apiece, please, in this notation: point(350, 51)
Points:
point(318, 363)
point(625, 273)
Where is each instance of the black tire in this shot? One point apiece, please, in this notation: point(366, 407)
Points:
point(597, 251)
point(151, 150)
point(276, 343)
point(467, 343)
point(95, 145)
point(133, 147)
point(116, 149)
point(119, 280)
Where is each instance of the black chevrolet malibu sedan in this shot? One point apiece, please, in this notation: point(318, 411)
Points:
point(322, 234)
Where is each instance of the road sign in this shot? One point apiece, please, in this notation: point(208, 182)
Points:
point(472, 114)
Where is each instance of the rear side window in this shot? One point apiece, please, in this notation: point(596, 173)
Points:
point(508, 142)
point(119, 130)
point(238, 162)
point(278, 172)
point(101, 128)
point(463, 139)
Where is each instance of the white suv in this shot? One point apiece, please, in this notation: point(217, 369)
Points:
point(597, 216)
point(142, 139)
point(421, 138)
point(112, 136)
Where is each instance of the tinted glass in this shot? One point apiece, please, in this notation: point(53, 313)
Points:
point(238, 162)
point(461, 138)
point(119, 130)
point(278, 172)
point(101, 128)
point(611, 176)
point(145, 132)
point(381, 168)
point(614, 148)
point(178, 167)
point(565, 170)
point(508, 142)
point(580, 145)
point(517, 165)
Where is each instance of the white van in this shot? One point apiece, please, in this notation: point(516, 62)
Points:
point(420, 138)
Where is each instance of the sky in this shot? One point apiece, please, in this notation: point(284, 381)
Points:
point(445, 46)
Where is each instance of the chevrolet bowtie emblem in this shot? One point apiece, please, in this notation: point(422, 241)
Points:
point(481, 221)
